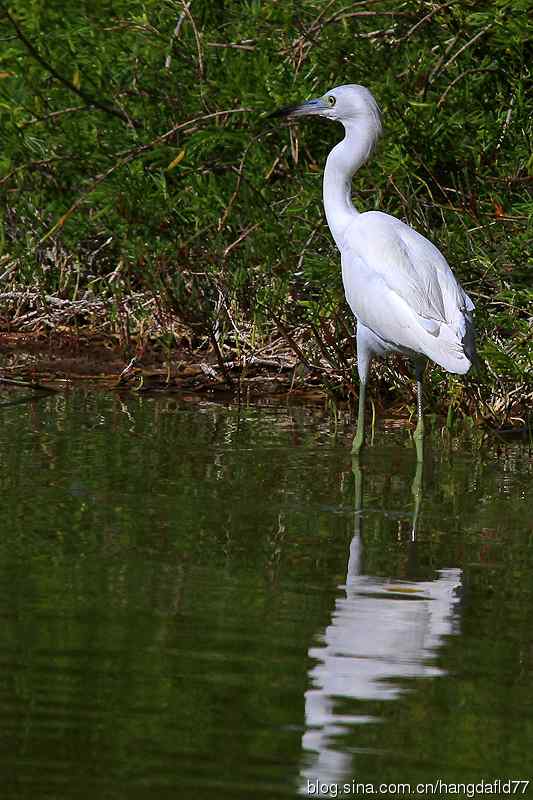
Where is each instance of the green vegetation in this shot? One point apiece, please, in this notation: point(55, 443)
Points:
point(143, 192)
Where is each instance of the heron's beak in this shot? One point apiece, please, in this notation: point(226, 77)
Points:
point(306, 109)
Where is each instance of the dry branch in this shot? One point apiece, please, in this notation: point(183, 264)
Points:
point(467, 44)
point(186, 11)
point(425, 19)
point(176, 33)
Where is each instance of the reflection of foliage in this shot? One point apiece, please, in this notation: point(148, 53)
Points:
point(133, 146)
point(165, 570)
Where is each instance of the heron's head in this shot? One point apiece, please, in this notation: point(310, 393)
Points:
point(347, 104)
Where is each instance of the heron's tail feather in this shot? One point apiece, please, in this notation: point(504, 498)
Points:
point(454, 347)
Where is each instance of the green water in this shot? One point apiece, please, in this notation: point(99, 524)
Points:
point(206, 601)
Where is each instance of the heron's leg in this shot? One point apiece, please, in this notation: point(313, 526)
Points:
point(358, 484)
point(419, 430)
point(354, 560)
point(360, 431)
point(364, 355)
point(416, 490)
point(373, 423)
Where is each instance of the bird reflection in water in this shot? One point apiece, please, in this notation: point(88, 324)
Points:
point(381, 633)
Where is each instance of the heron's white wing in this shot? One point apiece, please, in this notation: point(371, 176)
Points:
point(408, 265)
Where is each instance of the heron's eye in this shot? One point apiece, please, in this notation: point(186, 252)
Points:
point(331, 100)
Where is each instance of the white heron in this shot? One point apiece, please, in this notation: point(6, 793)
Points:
point(398, 284)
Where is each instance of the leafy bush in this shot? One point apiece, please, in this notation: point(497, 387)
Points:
point(136, 157)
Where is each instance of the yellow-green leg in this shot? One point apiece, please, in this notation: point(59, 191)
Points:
point(419, 430)
point(360, 431)
point(358, 480)
point(416, 491)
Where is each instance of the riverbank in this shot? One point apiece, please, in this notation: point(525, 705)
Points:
point(59, 347)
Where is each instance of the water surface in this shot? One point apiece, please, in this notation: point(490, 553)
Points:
point(209, 601)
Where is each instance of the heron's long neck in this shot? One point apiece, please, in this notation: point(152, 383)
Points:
point(343, 161)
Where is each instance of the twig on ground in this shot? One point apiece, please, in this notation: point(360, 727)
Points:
point(287, 336)
point(322, 346)
point(220, 359)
